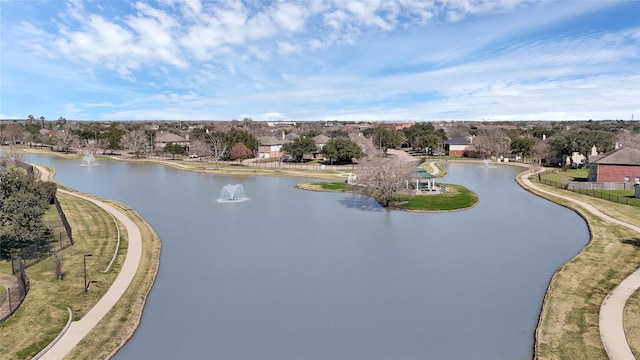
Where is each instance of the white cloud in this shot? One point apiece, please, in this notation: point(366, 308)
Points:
point(287, 47)
point(336, 59)
point(290, 16)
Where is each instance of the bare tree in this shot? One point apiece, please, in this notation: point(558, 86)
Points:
point(482, 146)
point(65, 140)
point(384, 177)
point(629, 139)
point(218, 149)
point(135, 141)
point(12, 135)
point(103, 144)
point(491, 142)
point(56, 265)
point(458, 129)
point(504, 145)
point(541, 151)
point(200, 148)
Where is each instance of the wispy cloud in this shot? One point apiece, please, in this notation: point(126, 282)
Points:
point(321, 59)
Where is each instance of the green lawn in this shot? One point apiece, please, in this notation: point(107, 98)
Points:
point(626, 197)
point(458, 197)
point(333, 186)
point(626, 193)
point(560, 178)
point(566, 176)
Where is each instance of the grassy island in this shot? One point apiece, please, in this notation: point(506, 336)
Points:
point(456, 198)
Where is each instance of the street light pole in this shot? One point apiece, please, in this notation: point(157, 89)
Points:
point(84, 260)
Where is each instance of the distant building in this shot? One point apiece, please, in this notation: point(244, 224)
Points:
point(458, 146)
point(620, 165)
point(396, 126)
point(270, 146)
point(163, 139)
point(320, 140)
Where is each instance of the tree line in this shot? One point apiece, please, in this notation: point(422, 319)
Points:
point(238, 140)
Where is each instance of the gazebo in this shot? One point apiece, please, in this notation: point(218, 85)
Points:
point(424, 180)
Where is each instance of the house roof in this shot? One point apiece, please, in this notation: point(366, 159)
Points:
point(458, 141)
point(422, 173)
point(169, 138)
point(321, 139)
point(291, 136)
point(272, 140)
point(621, 156)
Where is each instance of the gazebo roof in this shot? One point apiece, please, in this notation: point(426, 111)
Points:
point(422, 173)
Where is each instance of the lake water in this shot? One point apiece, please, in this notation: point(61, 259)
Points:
point(293, 274)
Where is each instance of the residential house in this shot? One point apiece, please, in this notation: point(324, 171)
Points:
point(291, 136)
point(458, 146)
point(320, 140)
point(163, 139)
point(619, 165)
point(270, 146)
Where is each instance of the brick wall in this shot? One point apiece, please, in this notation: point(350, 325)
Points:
point(457, 150)
point(617, 173)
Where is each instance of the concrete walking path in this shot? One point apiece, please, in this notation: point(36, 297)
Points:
point(611, 319)
point(79, 329)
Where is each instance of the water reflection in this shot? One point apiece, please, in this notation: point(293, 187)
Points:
point(361, 202)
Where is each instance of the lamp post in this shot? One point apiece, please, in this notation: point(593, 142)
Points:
point(84, 259)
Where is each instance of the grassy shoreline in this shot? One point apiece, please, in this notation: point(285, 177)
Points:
point(568, 322)
point(43, 314)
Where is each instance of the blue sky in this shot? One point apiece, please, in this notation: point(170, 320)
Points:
point(392, 60)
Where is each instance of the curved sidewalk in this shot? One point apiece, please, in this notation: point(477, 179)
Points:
point(611, 319)
point(79, 329)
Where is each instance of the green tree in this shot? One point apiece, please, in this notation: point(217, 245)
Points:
point(580, 141)
point(299, 147)
point(338, 133)
point(23, 202)
point(174, 149)
point(424, 135)
point(200, 134)
point(342, 150)
point(113, 137)
point(385, 138)
point(522, 145)
point(235, 136)
point(540, 132)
